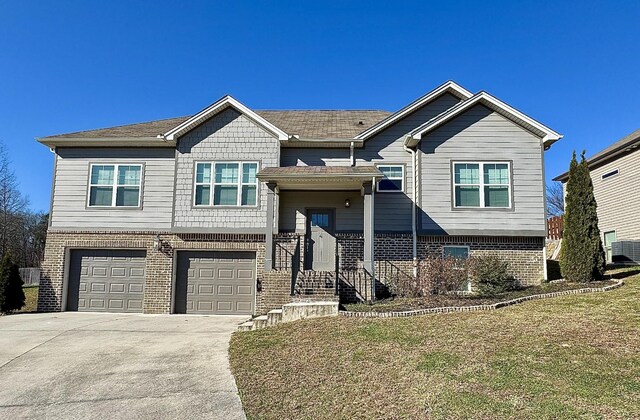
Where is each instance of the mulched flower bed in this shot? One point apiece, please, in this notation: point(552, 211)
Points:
point(400, 304)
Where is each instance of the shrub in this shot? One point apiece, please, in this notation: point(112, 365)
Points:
point(582, 255)
point(490, 275)
point(436, 275)
point(11, 294)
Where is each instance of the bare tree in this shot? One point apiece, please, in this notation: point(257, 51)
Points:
point(12, 202)
point(555, 199)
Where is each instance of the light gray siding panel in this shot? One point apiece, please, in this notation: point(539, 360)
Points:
point(482, 135)
point(618, 197)
point(72, 180)
point(392, 210)
point(315, 157)
point(227, 136)
point(293, 205)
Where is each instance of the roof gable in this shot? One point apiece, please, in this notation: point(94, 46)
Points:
point(547, 135)
point(215, 108)
point(450, 87)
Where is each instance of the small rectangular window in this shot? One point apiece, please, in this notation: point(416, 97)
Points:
point(460, 252)
point(610, 174)
point(115, 185)
point(393, 180)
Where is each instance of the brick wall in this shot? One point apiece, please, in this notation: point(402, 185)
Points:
point(159, 264)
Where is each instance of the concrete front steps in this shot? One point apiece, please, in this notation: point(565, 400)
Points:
point(292, 312)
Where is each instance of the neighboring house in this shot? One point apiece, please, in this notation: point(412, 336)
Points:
point(233, 210)
point(615, 173)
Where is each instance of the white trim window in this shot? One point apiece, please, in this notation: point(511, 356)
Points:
point(114, 185)
point(230, 184)
point(393, 180)
point(482, 185)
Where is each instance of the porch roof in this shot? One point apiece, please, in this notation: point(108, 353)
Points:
point(319, 177)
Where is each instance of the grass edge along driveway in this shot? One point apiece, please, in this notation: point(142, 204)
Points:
point(571, 356)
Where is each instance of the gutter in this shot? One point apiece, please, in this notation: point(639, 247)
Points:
point(413, 207)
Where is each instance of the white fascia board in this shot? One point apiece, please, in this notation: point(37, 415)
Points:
point(215, 108)
point(450, 86)
point(548, 135)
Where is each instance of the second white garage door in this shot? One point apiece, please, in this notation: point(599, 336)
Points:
point(215, 282)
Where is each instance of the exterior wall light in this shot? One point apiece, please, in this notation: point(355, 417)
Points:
point(347, 203)
point(156, 243)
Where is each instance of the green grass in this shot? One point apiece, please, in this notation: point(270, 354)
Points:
point(31, 299)
point(566, 357)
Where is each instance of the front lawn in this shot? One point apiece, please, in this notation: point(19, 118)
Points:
point(437, 301)
point(573, 356)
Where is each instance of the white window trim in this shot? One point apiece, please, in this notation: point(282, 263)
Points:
point(403, 179)
point(212, 184)
point(115, 185)
point(611, 174)
point(604, 236)
point(481, 185)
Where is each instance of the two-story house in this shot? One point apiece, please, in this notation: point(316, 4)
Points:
point(234, 210)
point(615, 173)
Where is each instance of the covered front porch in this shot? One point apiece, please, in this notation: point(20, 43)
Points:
point(320, 228)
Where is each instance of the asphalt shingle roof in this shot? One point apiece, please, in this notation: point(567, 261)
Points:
point(305, 123)
point(613, 150)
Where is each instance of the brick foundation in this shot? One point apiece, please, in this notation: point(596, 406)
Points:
point(393, 255)
point(159, 264)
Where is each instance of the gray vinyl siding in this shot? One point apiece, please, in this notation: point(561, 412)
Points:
point(293, 205)
point(315, 157)
point(618, 197)
point(482, 135)
point(393, 210)
point(69, 211)
point(228, 136)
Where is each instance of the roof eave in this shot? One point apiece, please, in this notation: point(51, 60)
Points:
point(547, 135)
point(447, 87)
point(218, 106)
point(106, 142)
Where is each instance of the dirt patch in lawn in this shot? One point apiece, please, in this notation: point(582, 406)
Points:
point(439, 301)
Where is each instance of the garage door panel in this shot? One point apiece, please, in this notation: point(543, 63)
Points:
point(106, 280)
point(219, 282)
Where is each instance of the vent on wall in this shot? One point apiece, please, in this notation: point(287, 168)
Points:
point(610, 174)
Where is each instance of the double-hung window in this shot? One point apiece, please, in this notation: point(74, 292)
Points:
point(115, 185)
point(393, 180)
point(226, 184)
point(482, 184)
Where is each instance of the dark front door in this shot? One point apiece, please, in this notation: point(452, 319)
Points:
point(321, 241)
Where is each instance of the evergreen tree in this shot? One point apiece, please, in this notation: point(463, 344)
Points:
point(582, 257)
point(11, 293)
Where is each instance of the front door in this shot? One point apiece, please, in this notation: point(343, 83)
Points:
point(320, 252)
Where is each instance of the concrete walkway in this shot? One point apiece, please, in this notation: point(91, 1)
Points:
point(117, 366)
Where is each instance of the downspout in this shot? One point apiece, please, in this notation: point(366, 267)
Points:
point(413, 208)
point(352, 157)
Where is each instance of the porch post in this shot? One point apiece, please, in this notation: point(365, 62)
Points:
point(268, 233)
point(367, 190)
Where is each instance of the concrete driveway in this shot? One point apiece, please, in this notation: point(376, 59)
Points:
point(79, 365)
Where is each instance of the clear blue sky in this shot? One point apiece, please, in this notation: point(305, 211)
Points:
point(75, 65)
